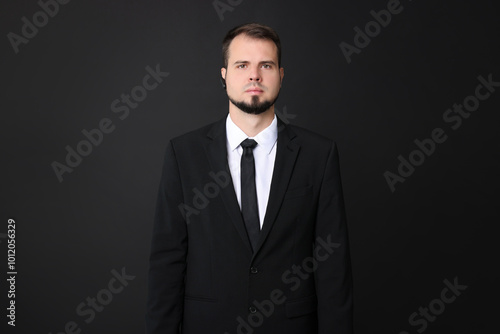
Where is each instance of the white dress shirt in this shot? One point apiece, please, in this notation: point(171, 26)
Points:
point(264, 156)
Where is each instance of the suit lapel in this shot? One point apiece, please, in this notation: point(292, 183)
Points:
point(286, 154)
point(216, 149)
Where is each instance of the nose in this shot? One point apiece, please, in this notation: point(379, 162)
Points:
point(255, 75)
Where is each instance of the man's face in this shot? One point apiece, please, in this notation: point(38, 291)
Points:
point(253, 78)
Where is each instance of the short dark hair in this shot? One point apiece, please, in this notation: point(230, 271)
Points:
point(252, 30)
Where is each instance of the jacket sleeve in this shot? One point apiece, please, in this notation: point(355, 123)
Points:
point(167, 262)
point(333, 276)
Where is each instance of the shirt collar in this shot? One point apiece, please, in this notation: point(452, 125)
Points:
point(265, 139)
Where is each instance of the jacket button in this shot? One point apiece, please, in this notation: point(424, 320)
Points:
point(254, 270)
point(252, 309)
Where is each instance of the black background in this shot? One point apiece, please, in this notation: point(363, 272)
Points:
point(439, 224)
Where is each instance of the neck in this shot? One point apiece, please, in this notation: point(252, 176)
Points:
point(252, 125)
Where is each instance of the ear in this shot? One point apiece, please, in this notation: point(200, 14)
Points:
point(282, 74)
point(223, 73)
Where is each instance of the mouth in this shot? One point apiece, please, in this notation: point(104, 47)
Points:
point(254, 91)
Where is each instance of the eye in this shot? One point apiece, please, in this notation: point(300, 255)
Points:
point(241, 66)
point(266, 66)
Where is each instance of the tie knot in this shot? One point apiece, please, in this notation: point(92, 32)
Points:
point(248, 143)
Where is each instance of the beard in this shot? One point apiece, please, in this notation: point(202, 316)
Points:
point(255, 107)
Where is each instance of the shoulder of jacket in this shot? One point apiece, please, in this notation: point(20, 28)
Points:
point(194, 135)
point(307, 136)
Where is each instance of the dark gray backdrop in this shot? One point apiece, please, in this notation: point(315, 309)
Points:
point(74, 234)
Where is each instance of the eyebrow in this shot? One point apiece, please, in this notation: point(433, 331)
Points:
point(261, 62)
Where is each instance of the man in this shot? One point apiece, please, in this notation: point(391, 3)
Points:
point(250, 233)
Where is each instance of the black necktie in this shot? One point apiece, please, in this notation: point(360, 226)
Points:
point(249, 207)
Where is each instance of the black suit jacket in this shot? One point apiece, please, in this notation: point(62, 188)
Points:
point(203, 276)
